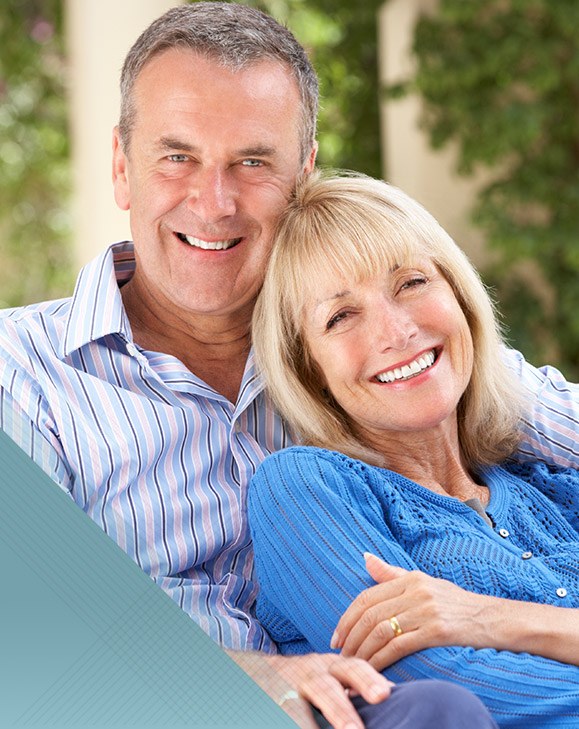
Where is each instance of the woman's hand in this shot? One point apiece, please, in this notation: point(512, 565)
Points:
point(430, 612)
point(434, 612)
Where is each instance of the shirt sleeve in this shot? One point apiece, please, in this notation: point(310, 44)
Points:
point(311, 523)
point(44, 451)
point(551, 421)
point(222, 610)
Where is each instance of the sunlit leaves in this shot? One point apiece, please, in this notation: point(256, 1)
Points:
point(34, 154)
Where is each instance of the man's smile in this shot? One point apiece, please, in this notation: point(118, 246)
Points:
point(206, 245)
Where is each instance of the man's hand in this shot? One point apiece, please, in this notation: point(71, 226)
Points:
point(321, 680)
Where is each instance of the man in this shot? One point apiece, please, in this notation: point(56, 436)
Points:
point(139, 395)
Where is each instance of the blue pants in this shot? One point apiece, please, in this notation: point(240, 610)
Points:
point(424, 705)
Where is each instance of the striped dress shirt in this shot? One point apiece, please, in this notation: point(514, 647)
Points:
point(151, 453)
point(160, 460)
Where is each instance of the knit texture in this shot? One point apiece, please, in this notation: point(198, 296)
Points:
point(313, 513)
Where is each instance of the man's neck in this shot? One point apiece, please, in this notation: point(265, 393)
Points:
point(214, 348)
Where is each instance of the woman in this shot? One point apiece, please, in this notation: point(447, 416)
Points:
point(384, 354)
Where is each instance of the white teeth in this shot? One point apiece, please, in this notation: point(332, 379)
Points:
point(215, 245)
point(410, 370)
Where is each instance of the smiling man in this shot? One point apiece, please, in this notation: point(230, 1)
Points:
point(139, 395)
point(211, 162)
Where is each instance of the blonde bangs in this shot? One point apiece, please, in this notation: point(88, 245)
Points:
point(333, 235)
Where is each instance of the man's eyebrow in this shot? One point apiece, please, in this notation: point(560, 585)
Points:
point(260, 150)
point(172, 143)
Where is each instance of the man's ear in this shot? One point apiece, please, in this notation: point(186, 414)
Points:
point(311, 160)
point(120, 173)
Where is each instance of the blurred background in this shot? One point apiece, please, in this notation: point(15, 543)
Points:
point(470, 107)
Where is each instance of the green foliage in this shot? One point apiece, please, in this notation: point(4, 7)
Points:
point(341, 38)
point(501, 79)
point(34, 164)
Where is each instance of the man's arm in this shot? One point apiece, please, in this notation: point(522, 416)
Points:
point(18, 425)
point(551, 420)
point(321, 680)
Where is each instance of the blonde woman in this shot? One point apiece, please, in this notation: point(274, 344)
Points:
point(380, 346)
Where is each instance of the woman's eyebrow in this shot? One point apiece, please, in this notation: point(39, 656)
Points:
point(333, 297)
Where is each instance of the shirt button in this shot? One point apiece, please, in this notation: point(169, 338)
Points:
point(527, 555)
point(131, 349)
point(504, 533)
point(561, 592)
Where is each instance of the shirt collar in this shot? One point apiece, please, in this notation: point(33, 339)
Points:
point(96, 306)
point(97, 310)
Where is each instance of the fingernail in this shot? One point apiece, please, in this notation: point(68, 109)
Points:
point(377, 693)
point(335, 642)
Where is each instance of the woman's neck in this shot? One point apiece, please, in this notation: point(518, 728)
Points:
point(433, 460)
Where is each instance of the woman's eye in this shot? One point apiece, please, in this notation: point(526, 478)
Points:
point(413, 282)
point(336, 319)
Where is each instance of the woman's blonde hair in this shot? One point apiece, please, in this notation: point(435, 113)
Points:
point(357, 226)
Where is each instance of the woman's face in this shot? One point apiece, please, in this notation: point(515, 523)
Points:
point(395, 350)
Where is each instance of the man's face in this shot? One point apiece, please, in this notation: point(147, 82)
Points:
point(213, 156)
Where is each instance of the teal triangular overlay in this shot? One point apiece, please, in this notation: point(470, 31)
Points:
point(88, 640)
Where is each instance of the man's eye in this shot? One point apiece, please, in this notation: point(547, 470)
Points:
point(251, 163)
point(177, 157)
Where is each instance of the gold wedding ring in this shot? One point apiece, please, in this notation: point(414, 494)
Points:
point(395, 625)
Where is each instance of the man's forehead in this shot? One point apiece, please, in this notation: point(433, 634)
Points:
point(184, 107)
point(169, 62)
point(185, 81)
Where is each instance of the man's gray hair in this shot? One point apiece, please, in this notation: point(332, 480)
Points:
point(235, 36)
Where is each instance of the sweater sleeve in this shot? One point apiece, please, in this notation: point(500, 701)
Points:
point(311, 521)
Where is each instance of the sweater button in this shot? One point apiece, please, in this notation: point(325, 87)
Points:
point(561, 592)
point(527, 555)
point(504, 533)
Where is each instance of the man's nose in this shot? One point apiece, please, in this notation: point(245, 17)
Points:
point(212, 196)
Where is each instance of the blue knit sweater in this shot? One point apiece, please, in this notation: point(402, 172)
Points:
point(313, 513)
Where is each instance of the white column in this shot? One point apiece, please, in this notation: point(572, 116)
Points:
point(408, 161)
point(99, 33)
